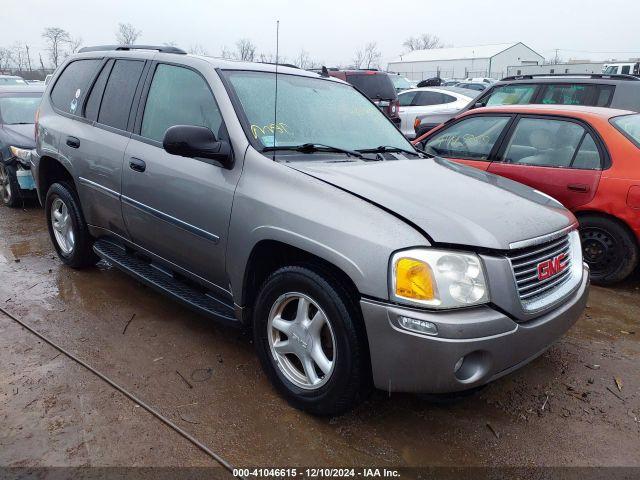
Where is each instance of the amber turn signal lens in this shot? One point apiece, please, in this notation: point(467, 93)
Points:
point(414, 279)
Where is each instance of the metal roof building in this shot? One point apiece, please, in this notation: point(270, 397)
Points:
point(463, 62)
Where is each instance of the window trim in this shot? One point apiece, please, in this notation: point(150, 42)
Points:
point(496, 146)
point(105, 64)
point(605, 158)
point(136, 122)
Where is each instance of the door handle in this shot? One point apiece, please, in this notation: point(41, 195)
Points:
point(137, 164)
point(73, 142)
point(578, 187)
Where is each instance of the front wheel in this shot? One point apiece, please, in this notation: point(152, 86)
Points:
point(310, 341)
point(67, 228)
point(610, 250)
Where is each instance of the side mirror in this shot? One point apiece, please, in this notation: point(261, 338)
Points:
point(197, 142)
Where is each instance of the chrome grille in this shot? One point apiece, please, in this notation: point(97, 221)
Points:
point(525, 263)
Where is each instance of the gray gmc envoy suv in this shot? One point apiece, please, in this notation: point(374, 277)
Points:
point(355, 260)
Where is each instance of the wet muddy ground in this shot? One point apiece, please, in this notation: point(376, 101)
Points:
point(577, 405)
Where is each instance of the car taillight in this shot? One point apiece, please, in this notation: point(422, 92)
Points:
point(416, 123)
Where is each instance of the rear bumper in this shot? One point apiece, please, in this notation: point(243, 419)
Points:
point(490, 342)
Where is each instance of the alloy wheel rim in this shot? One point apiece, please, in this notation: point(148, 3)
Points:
point(599, 249)
point(5, 184)
point(302, 341)
point(62, 226)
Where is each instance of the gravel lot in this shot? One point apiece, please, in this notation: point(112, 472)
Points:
point(565, 408)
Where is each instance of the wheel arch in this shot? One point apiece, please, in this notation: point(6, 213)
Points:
point(50, 171)
point(598, 213)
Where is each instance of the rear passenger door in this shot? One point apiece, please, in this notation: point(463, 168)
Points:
point(101, 141)
point(472, 141)
point(560, 157)
point(175, 207)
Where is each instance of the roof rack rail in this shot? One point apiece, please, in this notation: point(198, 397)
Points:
point(290, 65)
point(159, 48)
point(579, 75)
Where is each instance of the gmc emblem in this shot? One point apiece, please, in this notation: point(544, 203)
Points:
point(552, 266)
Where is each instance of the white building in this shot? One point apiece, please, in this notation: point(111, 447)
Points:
point(463, 62)
point(564, 68)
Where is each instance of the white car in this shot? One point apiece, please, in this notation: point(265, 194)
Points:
point(427, 100)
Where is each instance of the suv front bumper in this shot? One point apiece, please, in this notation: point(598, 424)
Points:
point(473, 347)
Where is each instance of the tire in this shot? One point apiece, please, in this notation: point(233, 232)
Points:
point(609, 248)
point(9, 187)
point(342, 340)
point(77, 253)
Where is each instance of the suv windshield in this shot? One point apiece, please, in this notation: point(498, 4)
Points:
point(311, 111)
point(373, 85)
point(629, 125)
point(18, 109)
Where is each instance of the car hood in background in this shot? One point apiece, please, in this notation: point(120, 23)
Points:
point(18, 135)
point(451, 203)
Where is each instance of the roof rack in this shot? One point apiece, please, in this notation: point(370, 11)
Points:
point(579, 75)
point(159, 48)
point(290, 65)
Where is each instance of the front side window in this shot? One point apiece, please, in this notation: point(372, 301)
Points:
point(311, 110)
point(511, 95)
point(472, 138)
point(629, 125)
point(568, 94)
point(70, 88)
point(544, 142)
point(626, 70)
point(19, 109)
point(178, 96)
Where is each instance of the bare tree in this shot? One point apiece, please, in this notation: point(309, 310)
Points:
point(6, 58)
point(18, 56)
point(74, 45)
point(245, 50)
point(28, 55)
point(197, 49)
point(127, 34)
point(41, 64)
point(367, 57)
point(55, 39)
point(226, 53)
point(425, 41)
point(303, 60)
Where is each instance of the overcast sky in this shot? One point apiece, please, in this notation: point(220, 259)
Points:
point(331, 30)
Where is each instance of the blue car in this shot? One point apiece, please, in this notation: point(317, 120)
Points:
point(18, 105)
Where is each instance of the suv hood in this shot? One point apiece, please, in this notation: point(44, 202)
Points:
point(18, 135)
point(451, 203)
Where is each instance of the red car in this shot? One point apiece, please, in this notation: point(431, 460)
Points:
point(587, 158)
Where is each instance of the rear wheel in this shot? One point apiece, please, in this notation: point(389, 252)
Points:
point(310, 341)
point(9, 187)
point(610, 249)
point(67, 228)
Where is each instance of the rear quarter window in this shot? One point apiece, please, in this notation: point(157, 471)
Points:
point(72, 84)
point(629, 126)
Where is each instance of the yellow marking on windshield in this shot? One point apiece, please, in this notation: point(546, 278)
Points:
point(270, 128)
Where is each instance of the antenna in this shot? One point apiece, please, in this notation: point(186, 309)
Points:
point(275, 103)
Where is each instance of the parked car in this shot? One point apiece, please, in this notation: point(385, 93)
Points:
point(477, 86)
point(420, 101)
point(585, 157)
point(626, 68)
point(6, 80)
point(399, 82)
point(18, 106)
point(618, 91)
point(352, 258)
point(480, 80)
point(376, 85)
point(450, 83)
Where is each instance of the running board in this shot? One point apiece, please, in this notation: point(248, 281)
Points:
point(155, 278)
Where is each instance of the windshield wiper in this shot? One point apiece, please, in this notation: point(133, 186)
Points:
point(313, 147)
point(387, 149)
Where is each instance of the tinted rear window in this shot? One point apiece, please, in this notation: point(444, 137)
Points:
point(72, 85)
point(376, 86)
point(119, 93)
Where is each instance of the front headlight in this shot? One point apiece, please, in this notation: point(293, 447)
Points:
point(437, 278)
point(21, 153)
